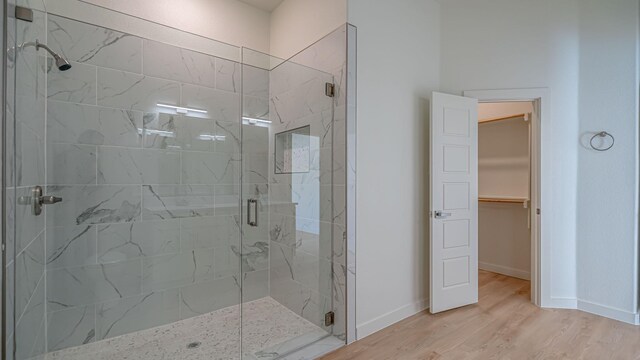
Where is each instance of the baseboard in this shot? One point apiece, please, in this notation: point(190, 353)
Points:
point(608, 312)
point(505, 270)
point(560, 303)
point(390, 318)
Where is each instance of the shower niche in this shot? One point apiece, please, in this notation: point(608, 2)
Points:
point(204, 194)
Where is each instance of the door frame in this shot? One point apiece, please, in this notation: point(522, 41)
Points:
point(540, 181)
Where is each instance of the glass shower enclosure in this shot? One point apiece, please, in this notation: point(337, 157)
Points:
point(168, 195)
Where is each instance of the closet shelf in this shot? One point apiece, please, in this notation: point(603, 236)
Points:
point(517, 116)
point(504, 200)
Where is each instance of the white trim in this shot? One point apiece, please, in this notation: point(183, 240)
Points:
point(560, 303)
point(541, 194)
point(505, 270)
point(608, 312)
point(390, 318)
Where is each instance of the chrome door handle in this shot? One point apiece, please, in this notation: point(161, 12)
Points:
point(442, 215)
point(253, 222)
point(36, 200)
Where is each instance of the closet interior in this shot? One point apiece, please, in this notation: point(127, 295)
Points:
point(504, 188)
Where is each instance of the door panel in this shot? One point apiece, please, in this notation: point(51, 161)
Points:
point(454, 202)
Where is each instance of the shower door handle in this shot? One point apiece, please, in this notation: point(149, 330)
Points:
point(253, 222)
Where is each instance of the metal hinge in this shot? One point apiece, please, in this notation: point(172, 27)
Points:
point(344, 236)
point(330, 89)
point(537, 211)
point(329, 318)
point(23, 13)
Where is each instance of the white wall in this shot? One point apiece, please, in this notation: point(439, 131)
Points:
point(585, 52)
point(607, 187)
point(296, 24)
point(229, 21)
point(398, 65)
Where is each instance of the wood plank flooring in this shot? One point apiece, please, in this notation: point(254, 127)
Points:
point(503, 325)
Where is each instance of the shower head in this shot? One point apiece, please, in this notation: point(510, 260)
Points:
point(61, 63)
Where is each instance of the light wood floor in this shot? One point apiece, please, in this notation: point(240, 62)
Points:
point(504, 325)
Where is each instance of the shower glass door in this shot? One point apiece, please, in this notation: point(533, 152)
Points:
point(287, 191)
point(140, 139)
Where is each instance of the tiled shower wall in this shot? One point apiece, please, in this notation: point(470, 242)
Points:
point(149, 229)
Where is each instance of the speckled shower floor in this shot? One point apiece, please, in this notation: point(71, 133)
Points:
point(270, 330)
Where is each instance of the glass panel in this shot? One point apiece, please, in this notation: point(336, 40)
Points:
point(26, 103)
point(287, 141)
point(141, 140)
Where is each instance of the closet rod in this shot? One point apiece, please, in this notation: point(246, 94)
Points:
point(503, 118)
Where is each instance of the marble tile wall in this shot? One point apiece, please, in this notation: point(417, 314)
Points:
point(149, 229)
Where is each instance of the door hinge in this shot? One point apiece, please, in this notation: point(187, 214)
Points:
point(23, 13)
point(537, 211)
point(344, 236)
point(329, 318)
point(330, 89)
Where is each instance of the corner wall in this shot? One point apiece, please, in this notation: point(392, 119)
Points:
point(398, 67)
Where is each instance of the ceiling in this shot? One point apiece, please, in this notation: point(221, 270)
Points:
point(266, 5)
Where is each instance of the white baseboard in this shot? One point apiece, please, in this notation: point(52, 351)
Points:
point(560, 303)
point(608, 312)
point(390, 318)
point(505, 270)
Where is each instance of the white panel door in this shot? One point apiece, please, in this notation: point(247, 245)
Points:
point(453, 202)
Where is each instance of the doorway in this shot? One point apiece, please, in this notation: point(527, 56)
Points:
point(454, 195)
point(504, 188)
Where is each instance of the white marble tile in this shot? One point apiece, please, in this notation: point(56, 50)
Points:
point(176, 132)
point(85, 43)
point(254, 254)
point(173, 63)
point(138, 166)
point(29, 327)
point(255, 82)
point(27, 226)
point(70, 164)
point(255, 139)
point(71, 327)
point(256, 168)
point(255, 285)
point(91, 204)
point(85, 124)
point(118, 242)
point(85, 285)
point(209, 232)
point(282, 229)
point(228, 75)
point(207, 168)
point(29, 269)
point(176, 270)
point(205, 297)
point(255, 107)
point(177, 201)
point(70, 246)
point(137, 313)
point(220, 105)
point(30, 90)
point(29, 158)
point(77, 85)
point(230, 138)
point(124, 90)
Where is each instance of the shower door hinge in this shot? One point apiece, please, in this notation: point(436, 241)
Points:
point(329, 318)
point(23, 13)
point(330, 89)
